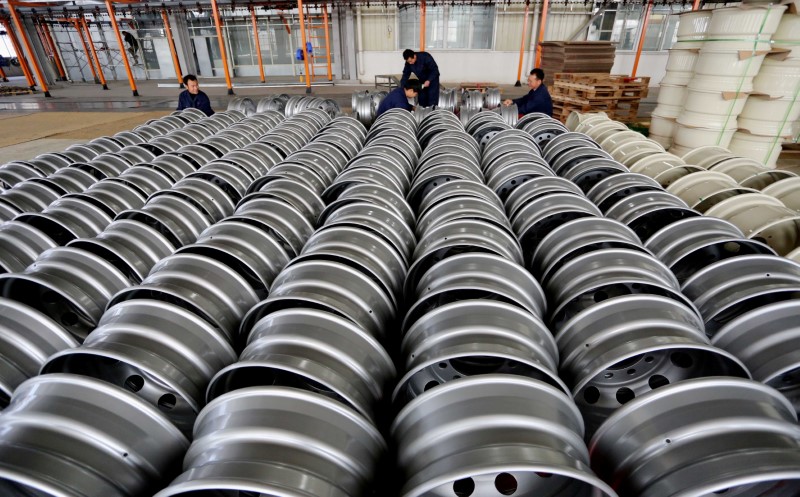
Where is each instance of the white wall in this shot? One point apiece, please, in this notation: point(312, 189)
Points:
point(455, 66)
point(651, 64)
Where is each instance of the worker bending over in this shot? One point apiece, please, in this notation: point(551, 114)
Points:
point(536, 100)
point(423, 65)
point(398, 98)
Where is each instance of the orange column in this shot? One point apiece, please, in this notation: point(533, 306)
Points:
point(641, 37)
point(422, 27)
point(113, 17)
point(258, 44)
point(54, 49)
point(327, 39)
point(522, 45)
point(94, 53)
point(23, 62)
point(696, 5)
point(79, 29)
point(218, 22)
point(542, 26)
point(303, 41)
point(175, 61)
point(3, 75)
point(34, 61)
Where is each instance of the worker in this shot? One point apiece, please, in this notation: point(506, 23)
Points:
point(536, 100)
point(192, 97)
point(399, 97)
point(423, 65)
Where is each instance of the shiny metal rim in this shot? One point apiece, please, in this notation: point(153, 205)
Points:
point(375, 194)
point(509, 113)
point(166, 143)
point(335, 286)
point(145, 179)
point(245, 105)
point(700, 419)
point(444, 449)
point(727, 289)
point(472, 99)
point(432, 177)
point(346, 125)
point(267, 154)
point(27, 339)
point(343, 142)
point(426, 136)
point(420, 113)
point(232, 181)
point(160, 352)
point(538, 217)
point(291, 228)
point(378, 219)
point(492, 98)
point(324, 166)
point(272, 103)
point(507, 178)
point(329, 351)
point(68, 218)
point(198, 153)
point(588, 173)
point(449, 159)
point(458, 188)
point(484, 274)
point(502, 141)
point(109, 166)
point(184, 137)
point(544, 130)
point(68, 179)
point(295, 171)
point(614, 188)
point(112, 196)
point(254, 254)
point(182, 279)
point(221, 143)
point(11, 174)
point(462, 207)
point(176, 166)
point(392, 146)
point(30, 197)
point(80, 153)
point(8, 211)
point(564, 142)
point(361, 249)
point(391, 119)
point(206, 196)
point(766, 178)
point(707, 203)
point(487, 131)
point(331, 152)
point(569, 239)
point(70, 286)
point(513, 156)
point(453, 143)
point(179, 220)
point(300, 196)
point(689, 245)
point(766, 339)
point(53, 161)
point(535, 188)
point(573, 157)
point(364, 174)
point(20, 245)
point(43, 164)
point(137, 153)
point(100, 453)
point(108, 143)
point(130, 246)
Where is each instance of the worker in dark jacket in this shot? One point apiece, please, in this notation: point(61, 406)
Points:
point(423, 65)
point(398, 98)
point(538, 99)
point(192, 97)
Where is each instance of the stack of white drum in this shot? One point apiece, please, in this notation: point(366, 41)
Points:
point(736, 44)
point(692, 30)
point(770, 116)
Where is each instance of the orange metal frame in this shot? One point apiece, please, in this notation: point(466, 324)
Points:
point(175, 61)
point(422, 27)
point(77, 24)
point(27, 43)
point(696, 5)
point(258, 43)
point(304, 43)
point(542, 27)
point(94, 53)
point(218, 23)
point(641, 38)
point(113, 17)
point(23, 62)
point(522, 45)
point(54, 50)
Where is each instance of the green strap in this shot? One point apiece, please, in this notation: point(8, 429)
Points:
point(743, 78)
point(783, 123)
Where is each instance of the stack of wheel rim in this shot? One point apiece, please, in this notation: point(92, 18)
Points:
point(736, 45)
point(672, 93)
point(364, 106)
point(476, 353)
point(770, 118)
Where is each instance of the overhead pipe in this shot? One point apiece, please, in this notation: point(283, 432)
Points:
point(113, 17)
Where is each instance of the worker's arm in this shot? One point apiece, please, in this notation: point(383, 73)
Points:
point(203, 103)
point(406, 74)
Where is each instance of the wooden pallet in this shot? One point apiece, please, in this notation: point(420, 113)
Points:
point(479, 86)
point(623, 111)
point(10, 91)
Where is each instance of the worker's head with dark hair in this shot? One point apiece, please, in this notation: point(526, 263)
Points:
point(412, 88)
point(535, 79)
point(190, 81)
point(409, 56)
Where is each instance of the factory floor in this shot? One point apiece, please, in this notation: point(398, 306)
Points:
point(33, 124)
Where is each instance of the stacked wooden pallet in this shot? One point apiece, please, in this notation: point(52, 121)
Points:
point(617, 96)
point(10, 91)
point(477, 85)
point(576, 57)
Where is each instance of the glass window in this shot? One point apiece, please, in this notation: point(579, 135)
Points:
point(453, 27)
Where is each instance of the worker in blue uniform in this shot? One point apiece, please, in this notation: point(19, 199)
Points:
point(398, 98)
point(192, 97)
point(536, 100)
point(423, 65)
